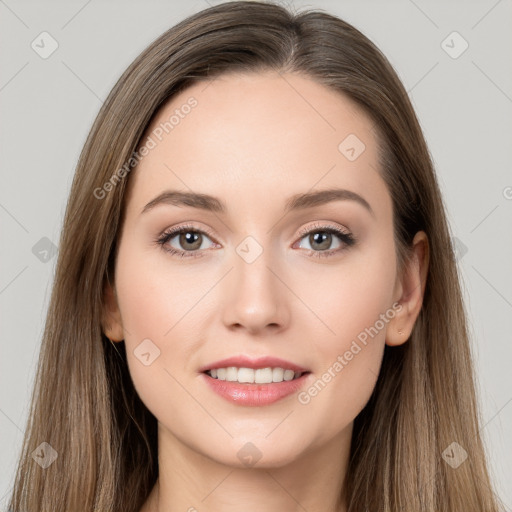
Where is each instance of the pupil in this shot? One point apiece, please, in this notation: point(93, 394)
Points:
point(190, 238)
point(323, 237)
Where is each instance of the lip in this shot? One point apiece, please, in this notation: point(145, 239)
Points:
point(254, 395)
point(242, 361)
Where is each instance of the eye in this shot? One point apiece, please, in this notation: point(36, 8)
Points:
point(320, 237)
point(188, 238)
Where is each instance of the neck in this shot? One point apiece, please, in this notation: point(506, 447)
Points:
point(190, 481)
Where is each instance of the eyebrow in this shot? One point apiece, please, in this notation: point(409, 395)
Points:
point(295, 202)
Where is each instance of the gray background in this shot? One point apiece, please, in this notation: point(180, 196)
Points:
point(464, 105)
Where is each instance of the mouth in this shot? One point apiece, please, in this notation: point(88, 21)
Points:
point(255, 387)
point(254, 382)
point(244, 375)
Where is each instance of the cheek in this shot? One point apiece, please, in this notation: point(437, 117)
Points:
point(355, 306)
point(155, 293)
point(348, 297)
point(159, 304)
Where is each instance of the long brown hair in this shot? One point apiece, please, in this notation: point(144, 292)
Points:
point(84, 404)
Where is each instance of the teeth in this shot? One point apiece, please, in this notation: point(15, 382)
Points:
point(232, 374)
point(288, 374)
point(249, 375)
point(277, 374)
point(264, 376)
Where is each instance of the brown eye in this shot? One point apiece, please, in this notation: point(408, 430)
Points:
point(320, 240)
point(190, 240)
point(184, 241)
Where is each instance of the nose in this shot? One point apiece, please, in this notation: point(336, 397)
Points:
point(255, 296)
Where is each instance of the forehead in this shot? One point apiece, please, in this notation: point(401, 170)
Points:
point(248, 137)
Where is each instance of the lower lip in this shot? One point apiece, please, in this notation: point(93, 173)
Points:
point(255, 395)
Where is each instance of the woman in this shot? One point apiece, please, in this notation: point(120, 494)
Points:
point(256, 302)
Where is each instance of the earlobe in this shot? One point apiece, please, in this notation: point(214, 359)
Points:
point(411, 290)
point(111, 319)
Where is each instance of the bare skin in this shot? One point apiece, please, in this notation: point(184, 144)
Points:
point(253, 141)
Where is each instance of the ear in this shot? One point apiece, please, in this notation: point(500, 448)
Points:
point(111, 319)
point(409, 291)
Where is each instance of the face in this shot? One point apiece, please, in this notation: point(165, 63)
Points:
point(312, 283)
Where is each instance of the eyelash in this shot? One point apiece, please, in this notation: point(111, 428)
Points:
point(346, 238)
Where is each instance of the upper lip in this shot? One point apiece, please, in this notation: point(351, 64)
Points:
point(247, 362)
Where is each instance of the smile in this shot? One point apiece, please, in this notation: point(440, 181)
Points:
point(245, 388)
point(253, 376)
